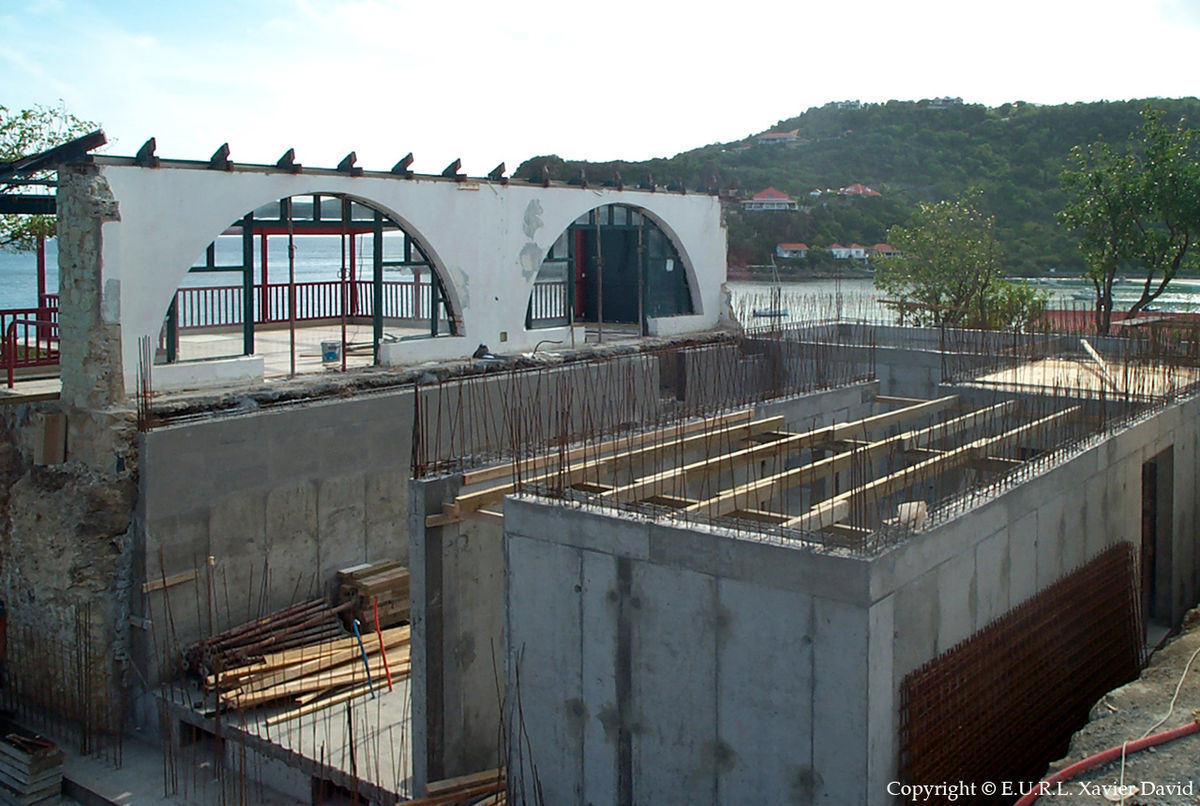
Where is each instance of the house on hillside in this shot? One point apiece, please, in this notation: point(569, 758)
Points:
point(791, 250)
point(770, 199)
point(778, 138)
point(857, 251)
point(884, 250)
point(858, 189)
point(839, 252)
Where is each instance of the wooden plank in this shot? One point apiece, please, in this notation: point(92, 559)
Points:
point(166, 582)
point(678, 441)
point(654, 483)
point(728, 500)
point(313, 707)
point(473, 477)
point(446, 785)
point(488, 515)
point(901, 479)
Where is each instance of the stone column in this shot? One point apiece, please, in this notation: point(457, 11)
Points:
point(89, 304)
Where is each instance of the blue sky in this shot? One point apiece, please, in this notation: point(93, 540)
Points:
point(491, 82)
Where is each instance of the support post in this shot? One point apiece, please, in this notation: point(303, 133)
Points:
point(173, 330)
point(377, 283)
point(248, 284)
point(265, 302)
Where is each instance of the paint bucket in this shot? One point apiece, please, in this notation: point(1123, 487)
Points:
point(331, 352)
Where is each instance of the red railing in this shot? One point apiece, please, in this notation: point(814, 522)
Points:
point(37, 345)
point(221, 306)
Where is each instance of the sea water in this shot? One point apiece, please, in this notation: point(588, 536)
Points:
point(320, 258)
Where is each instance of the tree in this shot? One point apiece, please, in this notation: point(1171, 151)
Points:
point(24, 132)
point(949, 266)
point(1135, 211)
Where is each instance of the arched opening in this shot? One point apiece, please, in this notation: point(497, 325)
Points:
point(307, 282)
point(613, 265)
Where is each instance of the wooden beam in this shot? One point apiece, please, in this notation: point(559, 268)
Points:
point(677, 477)
point(899, 401)
point(174, 579)
point(682, 441)
point(473, 477)
point(827, 512)
point(728, 500)
point(995, 464)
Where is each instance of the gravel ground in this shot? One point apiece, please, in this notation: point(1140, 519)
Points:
point(1126, 713)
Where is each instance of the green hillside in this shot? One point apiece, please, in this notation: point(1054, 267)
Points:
point(909, 152)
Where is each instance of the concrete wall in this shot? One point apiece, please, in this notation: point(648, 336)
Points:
point(749, 667)
point(458, 589)
point(664, 665)
point(278, 499)
point(486, 239)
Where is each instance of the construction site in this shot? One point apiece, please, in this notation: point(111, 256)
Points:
point(568, 526)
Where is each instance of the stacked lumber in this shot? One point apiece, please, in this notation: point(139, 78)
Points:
point(487, 788)
point(301, 625)
point(315, 676)
point(31, 768)
point(383, 583)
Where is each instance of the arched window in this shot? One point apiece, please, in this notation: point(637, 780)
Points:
point(307, 282)
point(613, 265)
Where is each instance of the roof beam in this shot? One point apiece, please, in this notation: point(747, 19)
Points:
point(679, 476)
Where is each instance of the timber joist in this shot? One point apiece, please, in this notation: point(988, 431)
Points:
point(732, 442)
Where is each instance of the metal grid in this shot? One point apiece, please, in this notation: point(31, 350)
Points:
point(1003, 704)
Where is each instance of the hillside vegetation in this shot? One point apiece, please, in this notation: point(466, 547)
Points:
point(908, 151)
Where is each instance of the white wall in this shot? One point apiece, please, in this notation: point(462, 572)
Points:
point(486, 239)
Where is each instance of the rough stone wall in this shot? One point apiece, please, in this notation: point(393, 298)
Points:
point(64, 533)
point(89, 308)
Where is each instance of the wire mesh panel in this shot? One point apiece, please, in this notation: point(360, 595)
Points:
point(1003, 704)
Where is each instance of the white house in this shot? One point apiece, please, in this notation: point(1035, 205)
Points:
point(791, 250)
point(770, 199)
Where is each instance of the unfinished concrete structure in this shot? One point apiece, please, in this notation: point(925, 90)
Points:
point(706, 568)
point(733, 609)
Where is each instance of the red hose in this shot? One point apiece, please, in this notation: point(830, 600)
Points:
point(1111, 754)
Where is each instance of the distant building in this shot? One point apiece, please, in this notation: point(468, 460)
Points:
point(858, 251)
point(884, 250)
point(770, 199)
point(944, 103)
point(839, 252)
point(858, 189)
point(791, 250)
point(778, 138)
point(847, 104)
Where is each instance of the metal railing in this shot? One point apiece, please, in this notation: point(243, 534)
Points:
point(37, 346)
